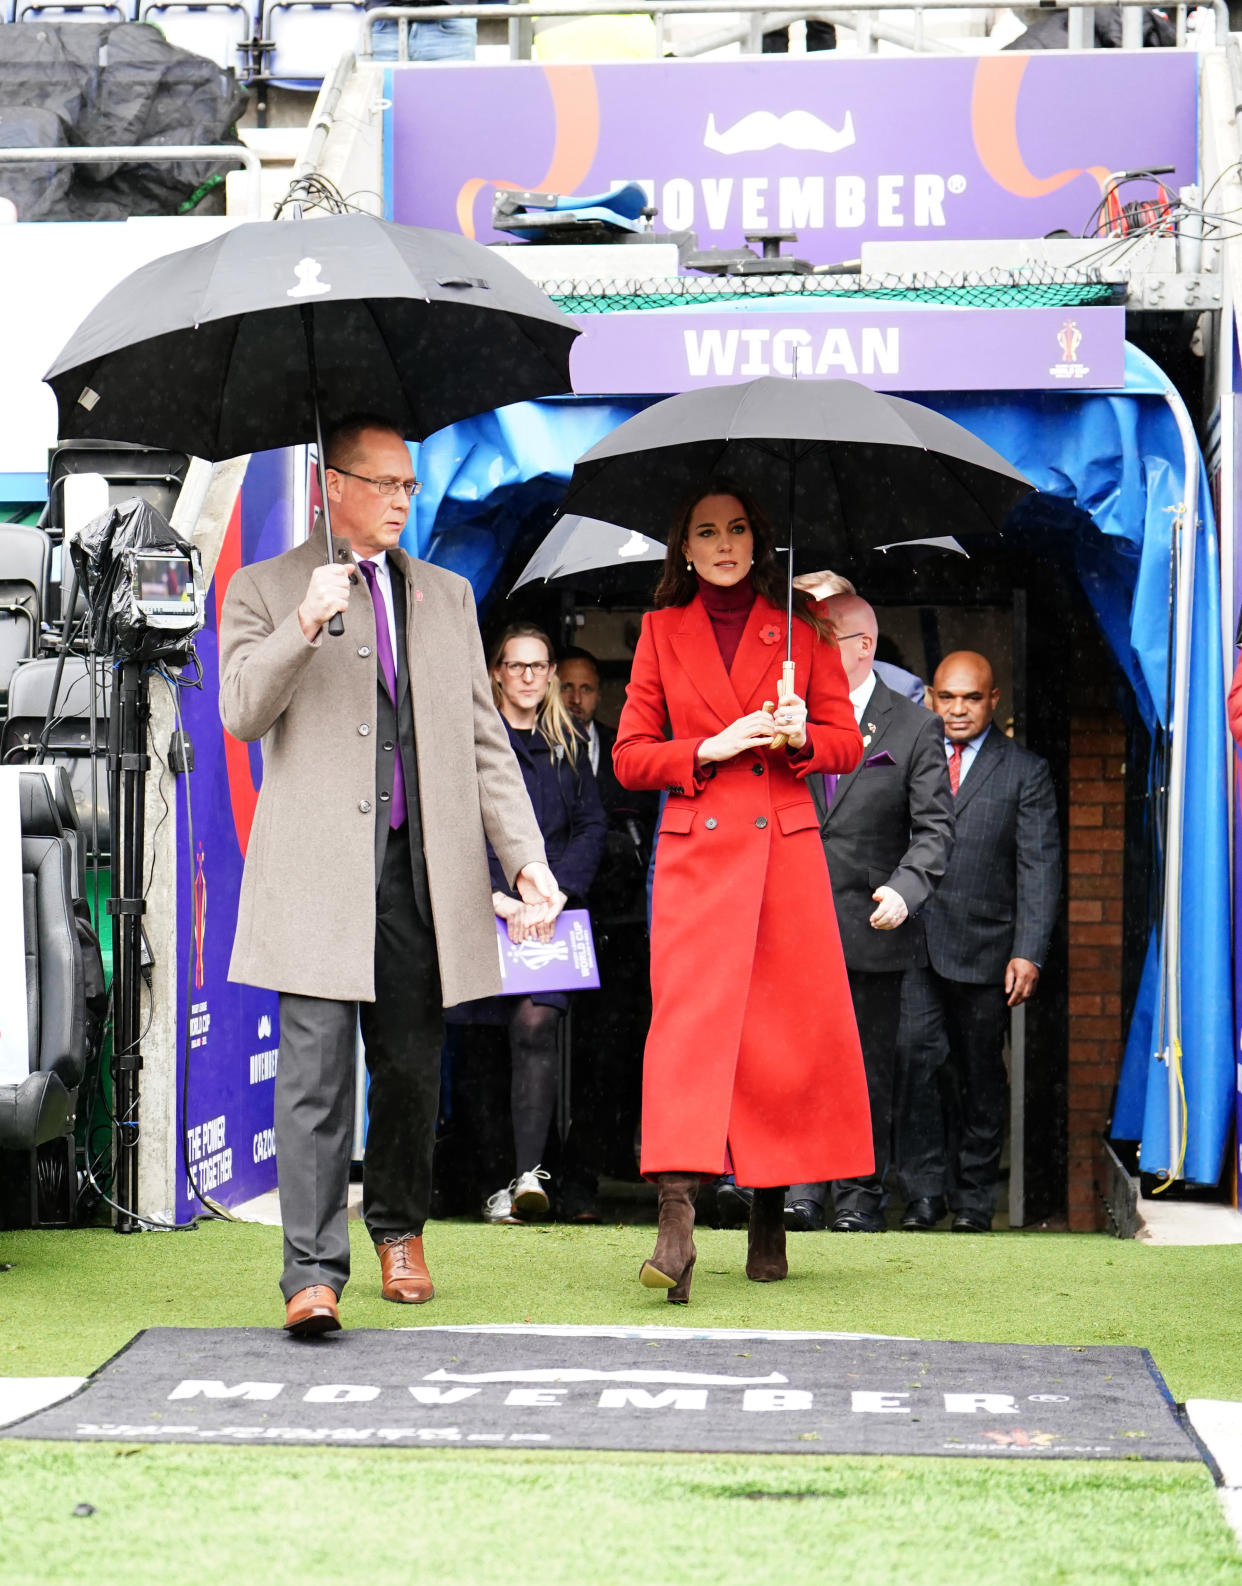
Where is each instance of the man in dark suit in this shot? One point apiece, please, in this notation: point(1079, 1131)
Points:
point(609, 1025)
point(888, 832)
point(987, 933)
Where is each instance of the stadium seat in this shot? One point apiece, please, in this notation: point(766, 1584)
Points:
point(67, 733)
point(215, 29)
point(38, 1109)
point(306, 38)
point(25, 555)
point(91, 11)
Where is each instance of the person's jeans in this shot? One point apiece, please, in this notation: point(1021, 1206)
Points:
point(450, 40)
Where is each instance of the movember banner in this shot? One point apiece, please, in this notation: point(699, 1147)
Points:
point(840, 151)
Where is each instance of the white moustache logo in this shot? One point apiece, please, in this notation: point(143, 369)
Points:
point(764, 129)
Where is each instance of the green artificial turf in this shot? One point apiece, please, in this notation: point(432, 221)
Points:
point(325, 1516)
point(482, 1516)
point(73, 1298)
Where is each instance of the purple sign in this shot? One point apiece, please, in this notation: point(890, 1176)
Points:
point(840, 151)
point(897, 348)
point(234, 1031)
point(566, 963)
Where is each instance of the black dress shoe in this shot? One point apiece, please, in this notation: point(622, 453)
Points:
point(971, 1223)
point(857, 1223)
point(733, 1205)
point(804, 1217)
point(922, 1215)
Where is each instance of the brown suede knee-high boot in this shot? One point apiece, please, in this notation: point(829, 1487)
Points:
point(672, 1261)
point(765, 1237)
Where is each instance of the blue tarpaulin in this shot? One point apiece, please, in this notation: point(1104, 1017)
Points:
point(1115, 456)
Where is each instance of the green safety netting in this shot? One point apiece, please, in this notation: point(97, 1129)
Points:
point(993, 289)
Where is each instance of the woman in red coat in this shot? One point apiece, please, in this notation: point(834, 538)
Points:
point(753, 1053)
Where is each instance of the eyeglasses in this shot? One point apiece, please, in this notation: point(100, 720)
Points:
point(842, 637)
point(386, 487)
point(516, 668)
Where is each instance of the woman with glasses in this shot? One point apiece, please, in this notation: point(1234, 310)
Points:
point(552, 756)
point(752, 1059)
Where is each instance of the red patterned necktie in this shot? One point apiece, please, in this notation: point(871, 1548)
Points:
point(955, 767)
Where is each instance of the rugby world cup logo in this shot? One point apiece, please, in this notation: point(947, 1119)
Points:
point(1070, 338)
point(538, 955)
point(200, 918)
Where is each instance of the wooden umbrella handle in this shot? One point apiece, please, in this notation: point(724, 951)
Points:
point(785, 690)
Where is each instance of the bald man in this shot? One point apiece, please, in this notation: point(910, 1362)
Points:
point(887, 829)
point(820, 586)
point(987, 932)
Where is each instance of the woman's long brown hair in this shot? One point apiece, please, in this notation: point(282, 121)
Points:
point(679, 584)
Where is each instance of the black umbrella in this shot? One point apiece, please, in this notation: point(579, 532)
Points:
point(844, 468)
point(271, 333)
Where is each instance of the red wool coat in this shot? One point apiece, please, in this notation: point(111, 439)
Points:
point(752, 1043)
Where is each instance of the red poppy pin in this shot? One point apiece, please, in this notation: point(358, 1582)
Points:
point(771, 634)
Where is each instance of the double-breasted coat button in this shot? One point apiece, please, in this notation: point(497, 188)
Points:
point(762, 822)
point(364, 650)
point(365, 806)
point(757, 768)
point(710, 823)
point(363, 729)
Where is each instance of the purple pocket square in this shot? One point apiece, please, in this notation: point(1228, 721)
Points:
point(880, 757)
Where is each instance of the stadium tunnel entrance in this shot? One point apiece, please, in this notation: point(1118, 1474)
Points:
point(1076, 613)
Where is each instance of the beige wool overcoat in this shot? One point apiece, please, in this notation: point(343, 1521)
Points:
point(306, 918)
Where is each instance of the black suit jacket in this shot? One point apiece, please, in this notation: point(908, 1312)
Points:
point(620, 891)
point(999, 897)
point(890, 824)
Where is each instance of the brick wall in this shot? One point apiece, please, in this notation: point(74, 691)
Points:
point(1094, 888)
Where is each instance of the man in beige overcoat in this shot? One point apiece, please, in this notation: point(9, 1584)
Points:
point(366, 890)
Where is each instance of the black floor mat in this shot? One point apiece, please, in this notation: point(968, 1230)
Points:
point(659, 1389)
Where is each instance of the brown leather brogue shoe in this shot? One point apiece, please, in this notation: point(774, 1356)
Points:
point(404, 1271)
point(312, 1311)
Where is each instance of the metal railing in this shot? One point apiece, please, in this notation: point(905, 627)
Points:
point(761, 18)
point(164, 153)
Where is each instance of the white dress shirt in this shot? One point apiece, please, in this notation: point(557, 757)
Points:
point(969, 750)
point(592, 737)
point(860, 695)
point(383, 578)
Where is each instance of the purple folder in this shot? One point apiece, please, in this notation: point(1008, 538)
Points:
point(566, 963)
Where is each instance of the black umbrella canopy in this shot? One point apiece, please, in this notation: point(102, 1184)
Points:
point(585, 545)
point(205, 351)
point(850, 468)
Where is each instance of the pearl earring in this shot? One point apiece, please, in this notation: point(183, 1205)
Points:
point(689, 566)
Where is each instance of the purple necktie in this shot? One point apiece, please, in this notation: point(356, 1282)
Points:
point(831, 778)
point(383, 651)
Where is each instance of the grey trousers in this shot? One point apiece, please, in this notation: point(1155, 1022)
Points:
point(314, 1106)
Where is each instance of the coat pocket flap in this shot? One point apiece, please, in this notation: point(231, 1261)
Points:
point(798, 818)
point(677, 818)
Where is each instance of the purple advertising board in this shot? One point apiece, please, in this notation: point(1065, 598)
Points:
point(889, 348)
point(234, 1030)
point(840, 151)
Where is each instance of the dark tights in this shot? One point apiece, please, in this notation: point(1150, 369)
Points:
point(534, 1072)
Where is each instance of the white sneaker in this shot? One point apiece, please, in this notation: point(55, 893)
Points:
point(498, 1208)
point(530, 1198)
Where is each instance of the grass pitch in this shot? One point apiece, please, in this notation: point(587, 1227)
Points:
point(482, 1516)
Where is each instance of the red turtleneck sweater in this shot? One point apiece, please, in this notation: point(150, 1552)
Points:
point(727, 607)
